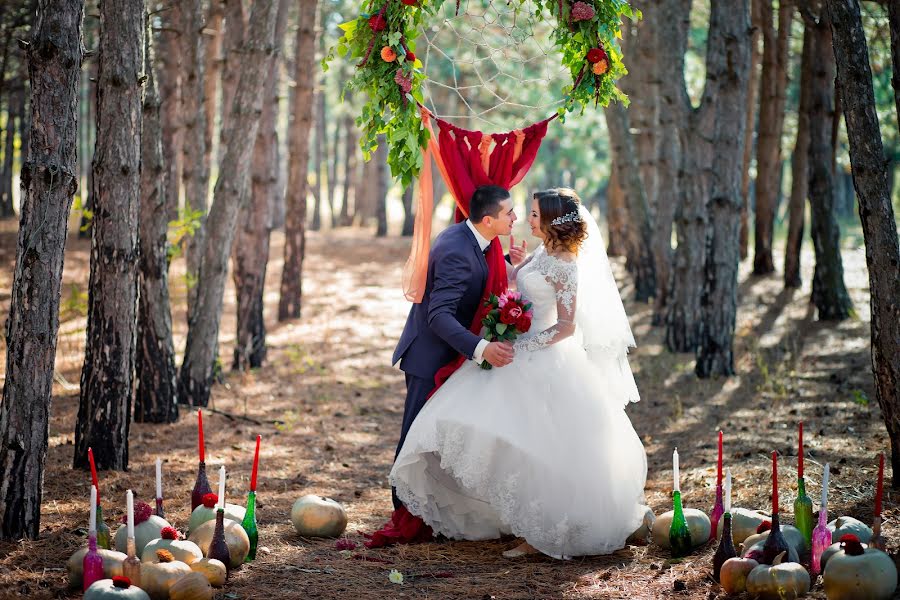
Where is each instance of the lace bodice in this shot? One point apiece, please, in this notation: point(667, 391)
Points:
point(550, 284)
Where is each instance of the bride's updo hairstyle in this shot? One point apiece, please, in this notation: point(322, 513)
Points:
point(560, 219)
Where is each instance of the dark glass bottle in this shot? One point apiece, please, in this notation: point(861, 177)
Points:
point(201, 487)
point(249, 525)
point(775, 544)
point(726, 547)
point(679, 534)
point(218, 549)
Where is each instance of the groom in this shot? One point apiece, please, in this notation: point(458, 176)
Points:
point(437, 329)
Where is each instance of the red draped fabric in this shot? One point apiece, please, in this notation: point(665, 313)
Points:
point(467, 160)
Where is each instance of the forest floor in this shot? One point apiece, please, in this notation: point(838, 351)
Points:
point(328, 405)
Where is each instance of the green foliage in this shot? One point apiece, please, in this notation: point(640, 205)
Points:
point(389, 111)
point(76, 303)
point(86, 213)
point(181, 229)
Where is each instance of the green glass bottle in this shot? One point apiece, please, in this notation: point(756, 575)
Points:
point(102, 530)
point(679, 534)
point(249, 525)
point(803, 513)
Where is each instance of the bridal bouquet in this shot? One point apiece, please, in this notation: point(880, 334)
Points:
point(509, 316)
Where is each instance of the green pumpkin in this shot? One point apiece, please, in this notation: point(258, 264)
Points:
point(871, 575)
point(144, 533)
point(778, 581)
point(697, 522)
point(112, 565)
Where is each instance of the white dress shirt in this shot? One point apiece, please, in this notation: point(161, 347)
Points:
point(483, 243)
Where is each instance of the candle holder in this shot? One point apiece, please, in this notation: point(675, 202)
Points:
point(679, 534)
point(249, 525)
point(103, 536)
point(803, 513)
point(201, 486)
point(716, 514)
point(877, 541)
point(775, 543)
point(131, 566)
point(726, 547)
point(92, 563)
point(159, 508)
point(218, 549)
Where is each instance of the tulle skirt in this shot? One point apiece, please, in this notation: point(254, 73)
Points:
point(541, 448)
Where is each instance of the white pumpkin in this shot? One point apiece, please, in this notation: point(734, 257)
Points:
point(158, 577)
point(845, 525)
point(118, 589)
point(235, 538)
point(184, 550)
point(147, 527)
point(193, 586)
point(744, 522)
point(854, 572)
point(778, 581)
point(831, 551)
point(697, 522)
point(214, 570)
point(756, 550)
point(316, 516)
point(112, 565)
point(204, 513)
point(792, 536)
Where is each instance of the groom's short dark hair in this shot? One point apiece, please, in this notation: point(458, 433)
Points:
point(486, 202)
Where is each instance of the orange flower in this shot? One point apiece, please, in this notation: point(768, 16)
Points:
point(387, 54)
point(600, 67)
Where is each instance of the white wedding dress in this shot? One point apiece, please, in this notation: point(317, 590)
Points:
point(541, 448)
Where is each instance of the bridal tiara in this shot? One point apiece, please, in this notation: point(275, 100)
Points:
point(567, 218)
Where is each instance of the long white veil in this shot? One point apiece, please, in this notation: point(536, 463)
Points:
point(600, 319)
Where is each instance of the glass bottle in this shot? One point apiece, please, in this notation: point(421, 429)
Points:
point(159, 507)
point(103, 538)
point(201, 487)
point(218, 549)
point(726, 547)
point(803, 512)
point(775, 544)
point(249, 525)
point(679, 534)
point(716, 514)
point(92, 563)
point(821, 539)
point(131, 566)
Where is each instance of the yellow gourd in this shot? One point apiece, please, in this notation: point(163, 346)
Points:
point(214, 570)
point(193, 586)
point(158, 577)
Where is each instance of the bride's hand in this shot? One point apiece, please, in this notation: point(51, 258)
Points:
point(517, 253)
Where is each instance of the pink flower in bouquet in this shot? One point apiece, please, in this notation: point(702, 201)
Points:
point(507, 296)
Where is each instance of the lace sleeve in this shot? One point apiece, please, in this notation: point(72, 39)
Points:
point(563, 275)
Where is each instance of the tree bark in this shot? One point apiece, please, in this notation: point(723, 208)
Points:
point(232, 41)
point(752, 96)
point(332, 160)
point(381, 190)
point(639, 248)
point(250, 252)
point(318, 160)
point(15, 108)
point(894, 24)
point(854, 78)
point(350, 149)
point(49, 181)
point(156, 398)
point(171, 44)
point(828, 291)
point(107, 378)
point(212, 67)
point(799, 171)
point(295, 197)
point(615, 214)
point(409, 217)
point(728, 65)
point(773, 83)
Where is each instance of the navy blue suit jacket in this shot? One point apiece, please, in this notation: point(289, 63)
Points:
point(437, 329)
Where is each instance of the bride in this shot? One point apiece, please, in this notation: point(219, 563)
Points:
point(541, 448)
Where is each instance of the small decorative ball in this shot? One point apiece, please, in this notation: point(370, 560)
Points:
point(600, 68)
point(377, 23)
point(315, 516)
point(410, 57)
point(388, 54)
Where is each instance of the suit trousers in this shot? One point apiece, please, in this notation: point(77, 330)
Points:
point(417, 390)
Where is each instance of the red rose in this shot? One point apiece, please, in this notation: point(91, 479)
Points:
point(595, 55)
point(377, 23)
point(410, 2)
point(411, 57)
point(523, 323)
point(510, 312)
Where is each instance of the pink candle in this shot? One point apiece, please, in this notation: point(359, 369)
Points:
point(200, 422)
point(800, 454)
point(255, 465)
point(94, 474)
point(774, 482)
point(879, 491)
point(719, 468)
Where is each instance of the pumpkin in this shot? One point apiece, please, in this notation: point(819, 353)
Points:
point(214, 570)
point(639, 537)
point(756, 551)
point(207, 512)
point(734, 572)
point(193, 586)
point(743, 524)
point(183, 550)
point(118, 588)
point(112, 565)
point(831, 551)
point(844, 525)
point(697, 522)
point(317, 516)
point(235, 538)
point(147, 527)
point(778, 581)
point(158, 577)
point(856, 572)
point(791, 534)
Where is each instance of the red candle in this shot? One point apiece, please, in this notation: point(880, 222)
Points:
point(774, 482)
point(879, 491)
point(719, 469)
point(255, 465)
point(94, 473)
point(200, 421)
point(800, 454)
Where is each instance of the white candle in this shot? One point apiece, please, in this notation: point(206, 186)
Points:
point(158, 478)
point(92, 527)
point(728, 490)
point(222, 487)
point(129, 504)
point(825, 485)
point(676, 486)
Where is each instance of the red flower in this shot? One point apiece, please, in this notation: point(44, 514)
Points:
point(169, 533)
point(523, 323)
point(410, 2)
point(142, 512)
point(403, 81)
point(345, 544)
point(210, 500)
point(411, 57)
point(595, 55)
point(510, 312)
point(121, 582)
point(582, 11)
point(377, 22)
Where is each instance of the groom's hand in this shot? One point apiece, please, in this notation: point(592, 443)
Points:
point(499, 354)
point(516, 253)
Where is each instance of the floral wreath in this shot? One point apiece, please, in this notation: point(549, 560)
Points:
point(383, 41)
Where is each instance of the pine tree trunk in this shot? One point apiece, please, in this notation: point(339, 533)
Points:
point(799, 171)
point(854, 78)
point(752, 96)
point(332, 158)
point(107, 378)
point(295, 198)
point(828, 291)
point(170, 73)
point(381, 192)
point(318, 149)
point(350, 150)
point(771, 122)
point(197, 371)
point(48, 186)
point(232, 39)
point(728, 65)
point(250, 251)
point(894, 24)
point(212, 67)
point(15, 105)
point(616, 215)
point(409, 217)
point(156, 398)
